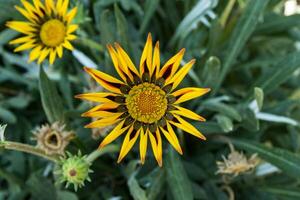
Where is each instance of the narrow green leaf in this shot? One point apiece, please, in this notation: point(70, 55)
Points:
point(279, 73)
point(224, 109)
point(241, 33)
point(292, 193)
point(177, 179)
point(122, 27)
point(65, 195)
point(51, 101)
point(259, 97)
point(157, 185)
point(150, 8)
point(275, 23)
point(285, 160)
point(211, 71)
point(135, 189)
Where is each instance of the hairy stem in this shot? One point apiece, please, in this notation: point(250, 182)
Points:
point(16, 146)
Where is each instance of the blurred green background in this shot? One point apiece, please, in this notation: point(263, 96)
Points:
point(247, 51)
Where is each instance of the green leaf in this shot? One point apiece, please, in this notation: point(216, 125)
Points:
point(225, 123)
point(224, 109)
point(259, 97)
point(122, 27)
point(7, 116)
point(274, 23)
point(41, 188)
point(150, 8)
point(135, 189)
point(211, 72)
point(177, 179)
point(279, 73)
point(157, 185)
point(65, 195)
point(285, 160)
point(292, 193)
point(241, 33)
point(51, 101)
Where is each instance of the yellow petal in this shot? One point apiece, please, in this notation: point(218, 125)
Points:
point(49, 6)
point(121, 69)
point(38, 5)
point(25, 46)
point(68, 45)
point(72, 28)
point(114, 134)
point(105, 121)
point(146, 58)
point(187, 127)
point(171, 66)
point(22, 40)
point(156, 144)
point(52, 56)
point(156, 60)
point(128, 143)
point(143, 145)
point(71, 37)
point(172, 138)
point(187, 113)
point(43, 55)
point(35, 53)
point(108, 82)
point(101, 97)
point(28, 6)
point(71, 15)
point(26, 14)
point(59, 50)
point(178, 77)
point(22, 27)
point(64, 7)
point(59, 4)
point(126, 61)
point(189, 93)
point(102, 110)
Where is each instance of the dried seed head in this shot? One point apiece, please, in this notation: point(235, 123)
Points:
point(53, 139)
point(236, 163)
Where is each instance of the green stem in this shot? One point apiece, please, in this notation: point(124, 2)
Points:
point(16, 146)
point(99, 152)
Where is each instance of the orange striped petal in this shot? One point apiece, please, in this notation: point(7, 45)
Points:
point(187, 127)
point(108, 82)
point(146, 58)
point(171, 66)
point(128, 143)
point(186, 94)
point(187, 113)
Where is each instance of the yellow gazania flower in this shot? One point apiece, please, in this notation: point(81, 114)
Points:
point(143, 104)
point(47, 30)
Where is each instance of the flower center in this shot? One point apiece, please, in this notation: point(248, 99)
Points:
point(53, 33)
point(146, 103)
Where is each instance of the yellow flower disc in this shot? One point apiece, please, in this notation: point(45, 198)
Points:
point(146, 103)
point(53, 33)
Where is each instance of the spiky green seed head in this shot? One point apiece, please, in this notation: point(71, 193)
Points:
point(74, 170)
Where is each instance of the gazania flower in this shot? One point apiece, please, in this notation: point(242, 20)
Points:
point(143, 104)
point(47, 31)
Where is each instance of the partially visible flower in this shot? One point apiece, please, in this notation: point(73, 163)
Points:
point(236, 163)
point(74, 170)
point(48, 29)
point(2, 130)
point(144, 103)
point(53, 139)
